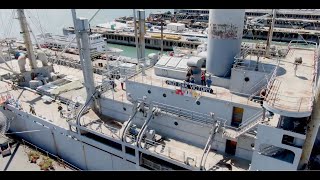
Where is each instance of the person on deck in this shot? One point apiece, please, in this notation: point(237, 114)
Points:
point(32, 109)
point(192, 79)
point(203, 79)
point(60, 110)
point(209, 81)
point(121, 82)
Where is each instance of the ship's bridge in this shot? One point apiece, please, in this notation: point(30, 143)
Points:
point(290, 93)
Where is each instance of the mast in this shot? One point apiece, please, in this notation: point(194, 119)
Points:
point(270, 33)
point(141, 17)
point(74, 18)
point(136, 34)
point(26, 38)
point(312, 131)
point(81, 27)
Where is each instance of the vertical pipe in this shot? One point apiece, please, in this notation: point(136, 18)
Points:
point(26, 38)
point(161, 36)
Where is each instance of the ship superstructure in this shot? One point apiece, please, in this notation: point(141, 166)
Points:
point(252, 116)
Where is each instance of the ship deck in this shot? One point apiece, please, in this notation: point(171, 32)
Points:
point(176, 150)
point(191, 155)
point(219, 92)
point(293, 93)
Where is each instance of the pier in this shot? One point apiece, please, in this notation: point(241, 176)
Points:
point(154, 42)
point(151, 42)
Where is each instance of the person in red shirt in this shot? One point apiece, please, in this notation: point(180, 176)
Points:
point(203, 79)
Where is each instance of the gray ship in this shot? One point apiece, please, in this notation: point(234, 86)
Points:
point(250, 108)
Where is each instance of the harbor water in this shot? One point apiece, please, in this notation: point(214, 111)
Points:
point(53, 20)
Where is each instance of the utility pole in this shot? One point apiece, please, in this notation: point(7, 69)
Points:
point(26, 37)
point(81, 27)
point(161, 36)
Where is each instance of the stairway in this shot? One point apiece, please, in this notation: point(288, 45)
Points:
point(270, 150)
point(246, 126)
point(250, 123)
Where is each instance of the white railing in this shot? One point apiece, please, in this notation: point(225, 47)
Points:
point(192, 115)
point(164, 150)
point(112, 131)
point(172, 152)
point(246, 125)
point(153, 165)
point(217, 94)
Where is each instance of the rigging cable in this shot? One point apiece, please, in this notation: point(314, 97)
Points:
point(59, 55)
point(294, 28)
point(9, 27)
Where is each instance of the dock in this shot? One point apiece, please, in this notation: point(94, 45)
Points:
point(128, 38)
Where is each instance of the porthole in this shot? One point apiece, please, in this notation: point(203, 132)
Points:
point(149, 91)
point(176, 123)
point(164, 95)
point(252, 145)
point(246, 79)
point(124, 108)
point(198, 102)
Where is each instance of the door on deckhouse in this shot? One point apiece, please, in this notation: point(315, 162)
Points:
point(231, 147)
point(237, 115)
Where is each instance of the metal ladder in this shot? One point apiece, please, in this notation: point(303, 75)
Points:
point(270, 150)
point(253, 121)
point(247, 125)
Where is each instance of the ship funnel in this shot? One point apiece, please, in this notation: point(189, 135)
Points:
point(224, 39)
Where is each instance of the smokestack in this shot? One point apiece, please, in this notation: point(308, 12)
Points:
point(224, 39)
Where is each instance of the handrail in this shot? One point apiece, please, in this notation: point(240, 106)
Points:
point(125, 130)
point(199, 117)
point(243, 127)
point(152, 110)
point(251, 119)
point(208, 145)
